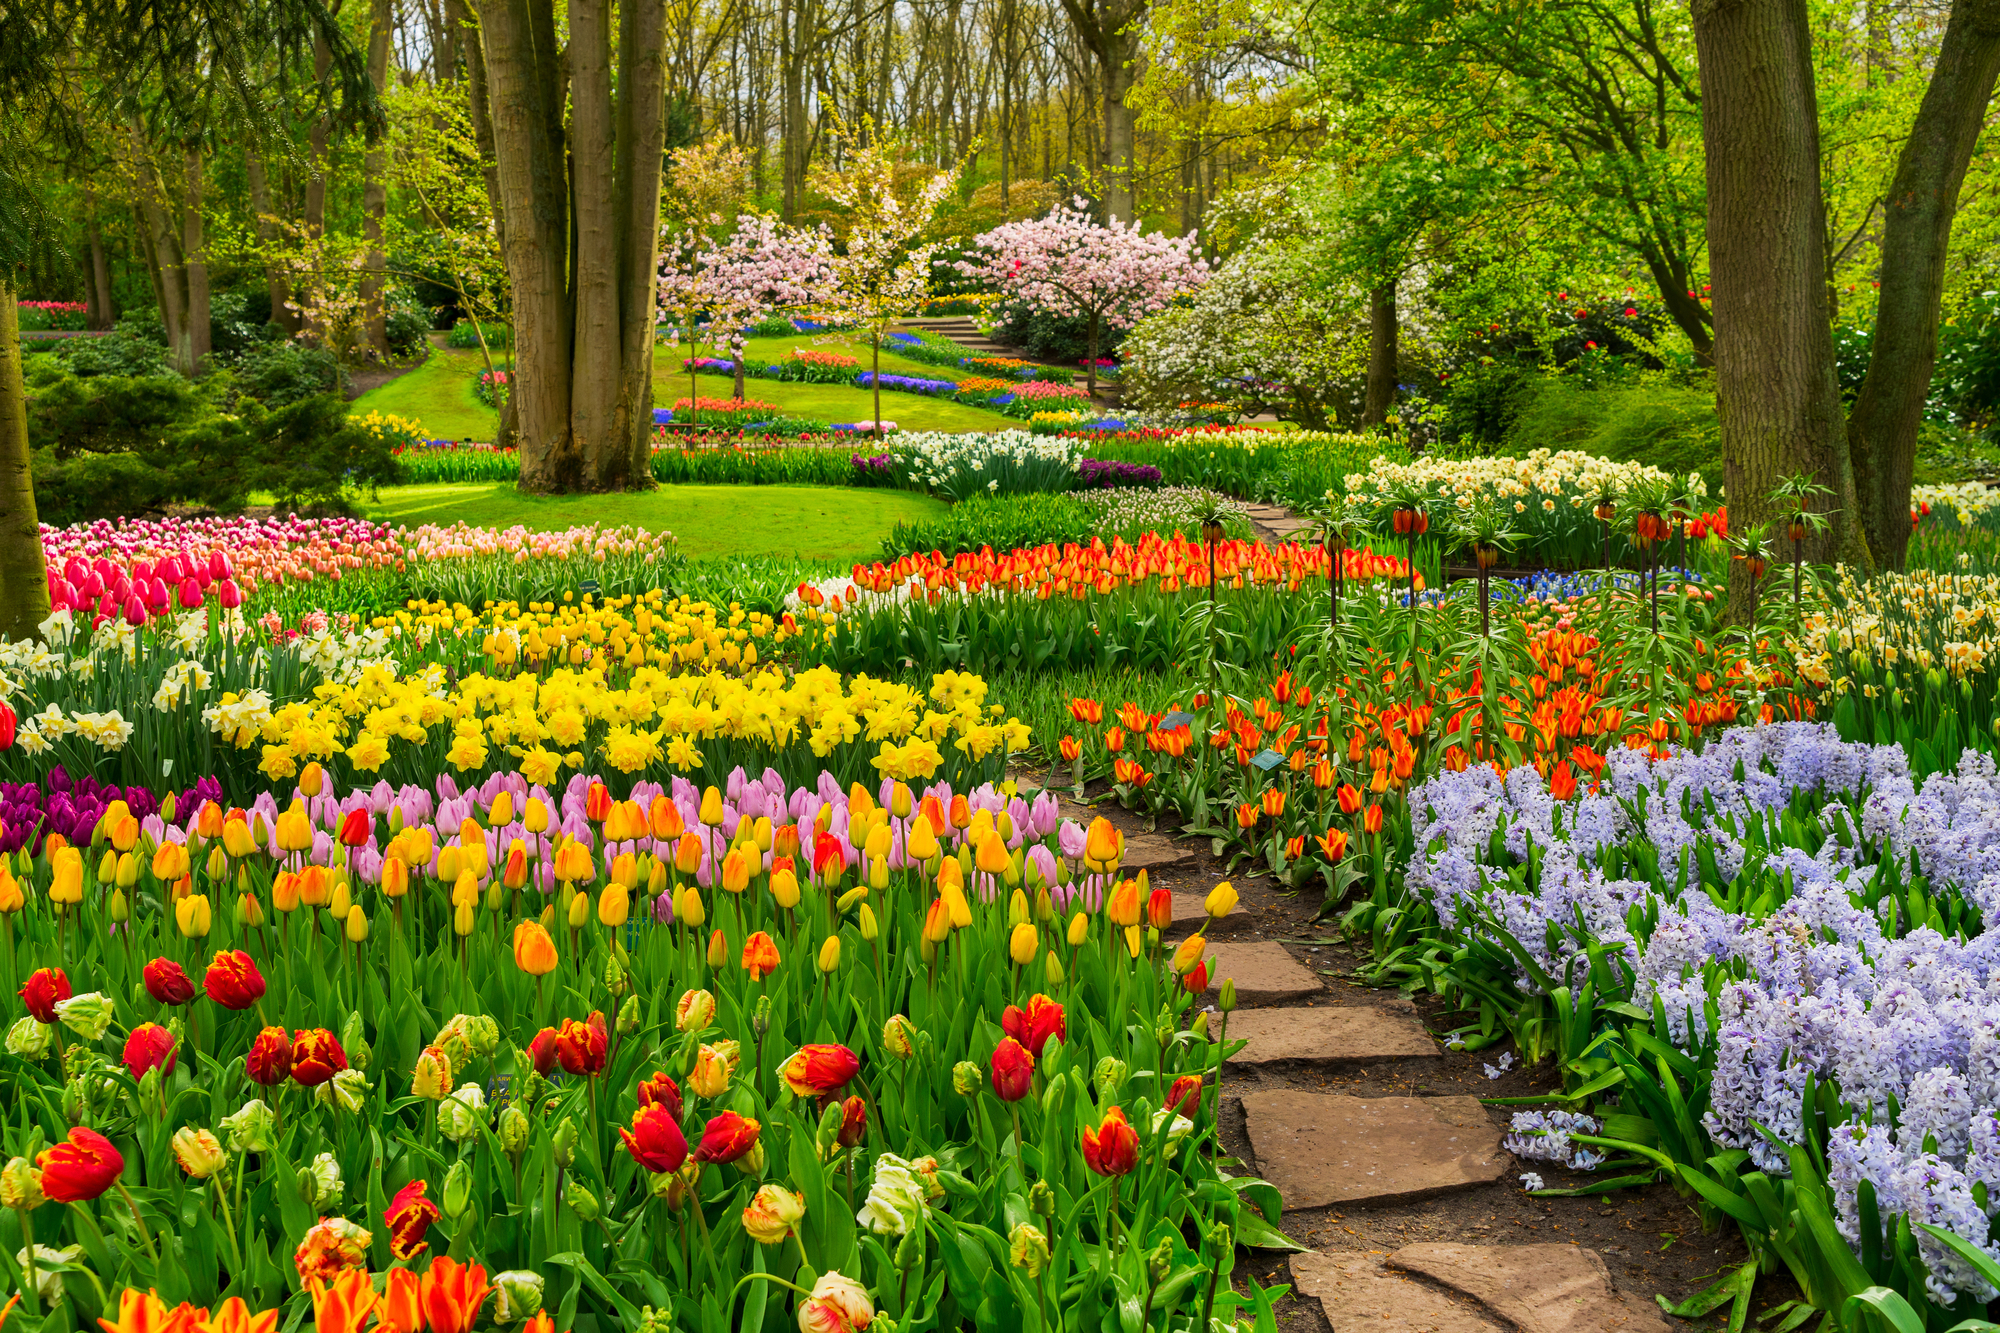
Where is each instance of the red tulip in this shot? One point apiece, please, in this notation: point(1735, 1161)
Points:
point(228, 595)
point(661, 1090)
point(46, 987)
point(409, 1216)
point(356, 828)
point(80, 1169)
point(1184, 1097)
point(316, 1056)
point(8, 724)
point(542, 1051)
point(1113, 1148)
point(1160, 909)
point(167, 982)
point(270, 1059)
point(655, 1139)
point(1033, 1026)
point(232, 980)
point(581, 1046)
point(150, 1047)
point(819, 1071)
point(727, 1137)
point(1013, 1071)
point(853, 1121)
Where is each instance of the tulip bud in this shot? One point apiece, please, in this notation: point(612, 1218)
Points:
point(565, 1143)
point(1226, 1002)
point(253, 1128)
point(517, 1295)
point(966, 1079)
point(1200, 1026)
point(1028, 1250)
point(581, 1201)
point(514, 1131)
point(21, 1185)
point(353, 1041)
point(1052, 969)
point(896, 1037)
point(1109, 1078)
point(30, 1039)
point(869, 929)
point(1079, 930)
point(829, 955)
point(628, 1016)
point(828, 1133)
point(320, 1184)
point(457, 1190)
point(117, 908)
point(718, 950)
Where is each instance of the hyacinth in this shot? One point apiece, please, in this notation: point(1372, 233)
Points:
point(1904, 1022)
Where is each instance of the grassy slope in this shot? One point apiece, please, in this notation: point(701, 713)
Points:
point(814, 522)
point(439, 394)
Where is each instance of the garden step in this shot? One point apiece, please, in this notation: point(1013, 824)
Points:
point(1191, 914)
point(1537, 1288)
point(1155, 853)
point(1358, 1290)
point(1326, 1149)
point(1264, 973)
point(1338, 1035)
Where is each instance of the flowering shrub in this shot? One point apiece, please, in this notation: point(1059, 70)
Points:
point(613, 1002)
point(1109, 472)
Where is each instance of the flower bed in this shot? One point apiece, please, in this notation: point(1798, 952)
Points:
point(1009, 462)
point(491, 388)
point(1106, 473)
point(577, 1047)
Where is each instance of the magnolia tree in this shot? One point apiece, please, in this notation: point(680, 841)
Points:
point(761, 267)
point(884, 274)
point(1072, 266)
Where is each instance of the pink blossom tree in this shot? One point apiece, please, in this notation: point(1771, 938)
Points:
point(1071, 266)
point(761, 267)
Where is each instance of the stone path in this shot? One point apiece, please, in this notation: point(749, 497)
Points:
point(1471, 1289)
point(1276, 524)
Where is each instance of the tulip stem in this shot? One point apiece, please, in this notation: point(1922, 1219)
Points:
point(229, 1227)
point(30, 1289)
point(145, 1236)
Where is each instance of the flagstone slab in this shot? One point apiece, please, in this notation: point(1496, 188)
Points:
point(1360, 1291)
point(1264, 973)
point(1155, 853)
point(1330, 1035)
point(1536, 1288)
point(1191, 914)
point(1322, 1150)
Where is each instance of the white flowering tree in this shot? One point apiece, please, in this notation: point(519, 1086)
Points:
point(758, 268)
point(1072, 266)
point(883, 273)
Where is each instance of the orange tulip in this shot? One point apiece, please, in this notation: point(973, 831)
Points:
point(760, 956)
point(343, 1306)
point(1371, 820)
point(451, 1294)
point(401, 1310)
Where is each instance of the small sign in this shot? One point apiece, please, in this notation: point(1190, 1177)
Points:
point(1266, 760)
point(587, 587)
point(1175, 719)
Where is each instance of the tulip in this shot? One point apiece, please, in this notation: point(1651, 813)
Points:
point(150, 1046)
point(898, 1037)
point(1188, 955)
point(694, 1011)
point(1113, 1148)
point(356, 828)
point(660, 1090)
point(534, 950)
point(81, 1168)
point(614, 904)
point(1184, 1097)
point(772, 1213)
point(1013, 1070)
point(232, 979)
point(1023, 944)
point(45, 988)
point(451, 1294)
point(718, 949)
point(836, 1305)
point(542, 1051)
point(409, 1217)
point(66, 869)
point(655, 1139)
point(400, 1310)
point(432, 1076)
point(316, 1057)
point(1221, 900)
point(1033, 1026)
point(581, 1046)
point(921, 844)
point(819, 1070)
point(1079, 930)
point(760, 955)
point(710, 1076)
point(193, 916)
point(269, 1060)
point(726, 1138)
point(1122, 907)
point(199, 1152)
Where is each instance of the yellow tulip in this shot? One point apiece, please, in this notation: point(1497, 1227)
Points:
point(1221, 900)
point(461, 920)
point(688, 909)
point(285, 891)
point(395, 877)
point(625, 870)
point(878, 872)
point(66, 882)
point(785, 888)
point(357, 924)
point(502, 810)
point(1188, 956)
point(12, 899)
point(718, 950)
point(579, 910)
point(534, 951)
point(829, 954)
point(1079, 930)
point(249, 912)
point(614, 905)
point(1123, 907)
point(192, 915)
point(536, 817)
point(711, 807)
point(448, 864)
point(735, 870)
point(879, 839)
point(1023, 945)
point(954, 901)
point(1134, 940)
point(869, 930)
point(339, 901)
point(107, 867)
point(311, 778)
point(922, 843)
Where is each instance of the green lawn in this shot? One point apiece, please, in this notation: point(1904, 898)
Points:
point(813, 522)
point(438, 394)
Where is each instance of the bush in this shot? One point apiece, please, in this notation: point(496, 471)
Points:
point(408, 323)
point(278, 374)
point(1004, 522)
point(772, 326)
point(1674, 429)
point(464, 335)
point(118, 353)
point(1052, 339)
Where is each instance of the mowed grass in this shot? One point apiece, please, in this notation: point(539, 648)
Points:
point(812, 522)
point(438, 395)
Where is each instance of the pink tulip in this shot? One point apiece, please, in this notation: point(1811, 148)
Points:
point(135, 611)
point(228, 594)
point(190, 594)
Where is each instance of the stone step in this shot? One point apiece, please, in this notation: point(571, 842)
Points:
point(1191, 915)
point(1478, 1289)
point(1329, 1036)
point(1264, 973)
point(1322, 1150)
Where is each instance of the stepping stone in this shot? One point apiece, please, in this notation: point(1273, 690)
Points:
point(1191, 914)
point(1536, 1288)
point(1321, 1150)
point(1155, 853)
point(1264, 974)
point(1360, 1291)
point(1344, 1035)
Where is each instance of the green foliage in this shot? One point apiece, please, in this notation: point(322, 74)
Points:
point(407, 324)
point(1672, 428)
point(281, 373)
point(1003, 522)
point(117, 353)
point(464, 335)
point(1047, 337)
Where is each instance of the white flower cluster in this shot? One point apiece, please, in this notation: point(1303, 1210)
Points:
point(1967, 499)
point(1542, 479)
point(1005, 462)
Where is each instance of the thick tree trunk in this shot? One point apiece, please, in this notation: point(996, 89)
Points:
point(164, 257)
point(103, 308)
point(1775, 387)
point(375, 195)
point(276, 281)
point(24, 582)
point(1120, 73)
point(194, 260)
point(1916, 234)
point(594, 375)
point(1380, 393)
point(642, 133)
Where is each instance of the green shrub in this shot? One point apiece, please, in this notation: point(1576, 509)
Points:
point(407, 324)
point(463, 334)
point(280, 373)
point(117, 353)
point(1004, 522)
point(1673, 428)
point(1043, 335)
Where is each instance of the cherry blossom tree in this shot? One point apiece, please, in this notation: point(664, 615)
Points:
point(883, 274)
point(760, 267)
point(1071, 266)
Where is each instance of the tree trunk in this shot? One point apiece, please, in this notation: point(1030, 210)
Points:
point(24, 580)
point(276, 281)
point(194, 259)
point(1119, 76)
point(627, 460)
point(1916, 234)
point(103, 308)
point(375, 196)
point(594, 375)
point(1380, 395)
point(1090, 363)
point(1776, 393)
point(164, 257)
